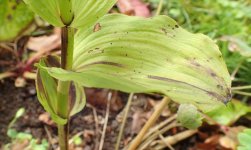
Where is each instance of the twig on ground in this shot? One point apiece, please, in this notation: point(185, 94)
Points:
point(167, 144)
point(106, 121)
point(49, 136)
point(135, 143)
point(173, 139)
point(96, 126)
point(127, 108)
point(6, 75)
point(155, 135)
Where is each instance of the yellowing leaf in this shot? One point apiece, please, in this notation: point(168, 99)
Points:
point(135, 54)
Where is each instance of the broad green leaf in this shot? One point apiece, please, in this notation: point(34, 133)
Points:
point(244, 140)
point(228, 115)
point(135, 54)
point(47, 92)
point(85, 12)
point(14, 18)
point(189, 116)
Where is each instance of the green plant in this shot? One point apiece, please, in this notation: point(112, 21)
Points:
point(20, 138)
point(14, 18)
point(244, 139)
point(125, 53)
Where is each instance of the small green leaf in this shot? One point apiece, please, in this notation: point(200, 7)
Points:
point(228, 115)
point(23, 136)
point(77, 140)
point(12, 133)
point(20, 112)
point(244, 140)
point(188, 116)
point(135, 54)
point(14, 18)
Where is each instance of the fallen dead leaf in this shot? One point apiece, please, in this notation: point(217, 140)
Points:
point(43, 44)
point(98, 98)
point(134, 7)
point(45, 118)
point(139, 118)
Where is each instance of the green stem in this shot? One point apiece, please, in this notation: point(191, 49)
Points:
point(241, 87)
point(63, 105)
point(63, 134)
point(159, 7)
point(67, 39)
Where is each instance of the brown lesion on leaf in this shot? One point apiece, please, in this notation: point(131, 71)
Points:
point(210, 93)
point(9, 17)
point(97, 27)
point(72, 95)
point(96, 51)
point(103, 63)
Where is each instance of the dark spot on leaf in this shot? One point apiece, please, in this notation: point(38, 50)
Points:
point(176, 26)
point(213, 74)
point(164, 30)
point(168, 80)
point(9, 17)
point(14, 7)
point(97, 27)
point(220, 87)
point(90, 51)
point(104, 63)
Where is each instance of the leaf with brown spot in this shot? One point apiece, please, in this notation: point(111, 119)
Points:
point(136, 61)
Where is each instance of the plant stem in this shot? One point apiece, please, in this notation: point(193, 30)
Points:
point(67, 38)
point(63, 134)
point(241, 87)
point(129, 101)
point(159, 7)
point(63, 105)
point(135, 143)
